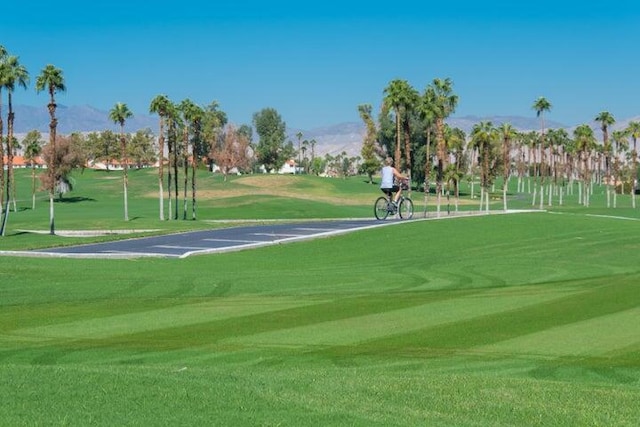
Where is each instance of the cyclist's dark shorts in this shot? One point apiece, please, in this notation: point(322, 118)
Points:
point(393, 189)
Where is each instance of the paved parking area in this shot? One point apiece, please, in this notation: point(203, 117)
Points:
point(181, 245)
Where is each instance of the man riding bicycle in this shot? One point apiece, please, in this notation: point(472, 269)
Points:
point(389, 177)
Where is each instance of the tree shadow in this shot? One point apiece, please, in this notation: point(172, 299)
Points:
point(76, 199)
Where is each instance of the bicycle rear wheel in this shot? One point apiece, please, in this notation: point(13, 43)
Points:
point(406, 208)
point(380, 209)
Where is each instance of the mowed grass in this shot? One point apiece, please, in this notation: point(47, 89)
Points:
point(525, 319)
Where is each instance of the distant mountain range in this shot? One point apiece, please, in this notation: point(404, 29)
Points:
point(335, 139)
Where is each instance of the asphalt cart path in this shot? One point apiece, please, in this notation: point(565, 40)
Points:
point(181, 245)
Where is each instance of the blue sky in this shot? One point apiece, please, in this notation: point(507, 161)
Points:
point(316, 63)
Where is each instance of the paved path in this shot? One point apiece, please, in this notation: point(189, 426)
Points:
point(181, 245)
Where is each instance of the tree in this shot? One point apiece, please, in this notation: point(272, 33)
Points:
point(3, 56)
point(119, 115)
point(270, 127)
point(160, 105)
point(193, 116)
point(299, 136)
point(620, 144)
point(585, 142)
point(606, 119)
point(12, 73)
point(32, 149)
point(232, 151)
point(456, 140)
point(426, 111)
point(541, 105)
point(507, 135)
point(484, 137)
point(69, 156)
point(52, 80)
point(141, 148)
point(401, 97)
point(213, 122)
point(633, 128)
point(443, 103)
point(103, 147)
point(370, 155)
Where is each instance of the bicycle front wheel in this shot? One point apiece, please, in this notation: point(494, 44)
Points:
point(406, 209)
point(380, 209)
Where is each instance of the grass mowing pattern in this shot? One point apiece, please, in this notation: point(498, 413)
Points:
point(526, 319)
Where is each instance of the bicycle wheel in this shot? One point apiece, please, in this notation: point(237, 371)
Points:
point(406, 208)
point(380, 209)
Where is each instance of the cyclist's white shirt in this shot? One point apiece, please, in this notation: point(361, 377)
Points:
point(387, 177)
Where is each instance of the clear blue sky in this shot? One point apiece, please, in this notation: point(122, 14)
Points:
point(316, 62)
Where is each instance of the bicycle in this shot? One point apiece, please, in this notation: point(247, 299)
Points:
point(384, 206)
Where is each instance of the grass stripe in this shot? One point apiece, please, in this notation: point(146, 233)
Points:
point(357, 329)
point(598, 336)
point(181, 315)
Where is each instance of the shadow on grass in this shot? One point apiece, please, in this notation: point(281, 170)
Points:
point(77, 199)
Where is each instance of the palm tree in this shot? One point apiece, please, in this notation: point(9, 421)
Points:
point(444, 103)
point(299, 136)
point(160, 105)
point(399, 96)
point(507, 134)
point(585, 142)
point(3, 55)
point(119, 115)
point(606, 119)
point(633, 128)
point(52, 80)
point(426, 110)
point(541, 105)
point(192, 115)
point(558, 142)
point(16, 74)
point(483, 137)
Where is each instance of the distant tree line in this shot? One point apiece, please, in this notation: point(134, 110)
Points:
point(411, 128)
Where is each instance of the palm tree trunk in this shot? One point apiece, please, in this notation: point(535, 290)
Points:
point(186, 171)
point(193, 188)
point(427, 169)
point(33, 187)
point(161, 168)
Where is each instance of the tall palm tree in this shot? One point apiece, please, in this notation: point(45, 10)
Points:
point(620, 143)
point(585, 142)
point(483, 137)
point(633, 128)
point(16, 74)
point(119, 115)
point(426, 110)
point(52, 80)
point(3, 56)
point(193, 115)
point(542, 105)
point(444, 103)
point(299, 136)
point(398, 95)
point(606, 119)
point(507, 135)
point(160, 105)
point(558, 141)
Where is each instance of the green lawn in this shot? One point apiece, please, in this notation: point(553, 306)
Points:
point(524, 319)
